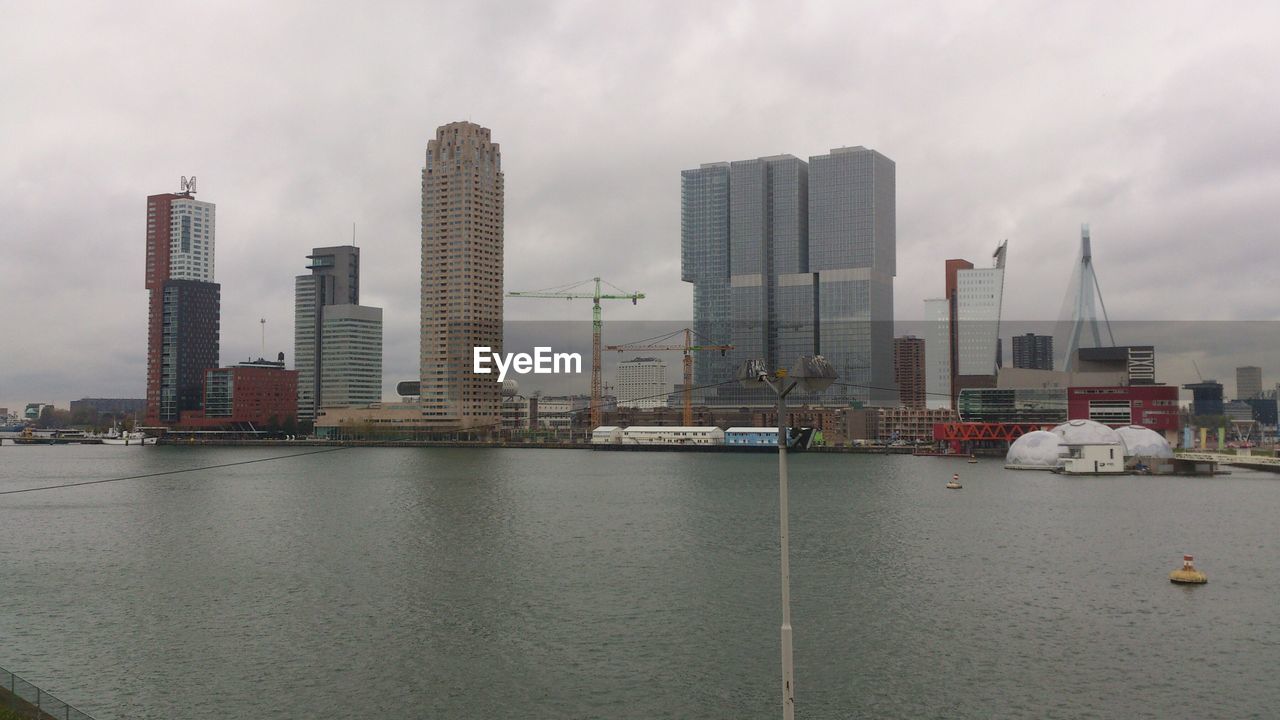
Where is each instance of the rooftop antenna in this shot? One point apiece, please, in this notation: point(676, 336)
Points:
point(353, 233)
point(263, 322)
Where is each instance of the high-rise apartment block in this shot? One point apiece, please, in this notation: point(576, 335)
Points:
point(1248, 382)
point(183, 308)
point(908, 371)
point(337, 342)
point(462, 274)
point(642, 383)
point(1034, 352)
point(791, 258)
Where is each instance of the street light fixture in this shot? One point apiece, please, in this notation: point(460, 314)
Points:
point(811, 373)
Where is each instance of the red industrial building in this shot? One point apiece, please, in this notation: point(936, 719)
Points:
point(257, 394)
point(1151, 406)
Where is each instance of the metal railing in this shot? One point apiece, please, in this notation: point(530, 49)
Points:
point(25, 700)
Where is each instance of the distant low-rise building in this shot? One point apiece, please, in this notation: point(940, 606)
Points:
point(1206, 397)
point(884, 426)
point(1264, 410)
point(33, 410)
point(118, 407)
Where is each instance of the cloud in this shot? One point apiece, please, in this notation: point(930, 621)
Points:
point(1153, 122)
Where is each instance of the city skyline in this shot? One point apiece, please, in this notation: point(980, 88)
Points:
point(1117, 140)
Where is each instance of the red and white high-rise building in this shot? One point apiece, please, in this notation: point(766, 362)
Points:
point(183, 304)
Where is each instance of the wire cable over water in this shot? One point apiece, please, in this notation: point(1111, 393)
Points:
point(173, 472)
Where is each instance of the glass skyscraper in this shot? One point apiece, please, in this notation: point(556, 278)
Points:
point(337, 343)
point(789, 258)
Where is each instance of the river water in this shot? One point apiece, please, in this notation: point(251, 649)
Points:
point(466, 583)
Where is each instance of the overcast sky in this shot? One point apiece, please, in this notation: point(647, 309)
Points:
point(1155, 122)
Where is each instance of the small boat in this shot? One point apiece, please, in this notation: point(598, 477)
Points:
point(955, 483)
point(127, 438)
point(973, 458)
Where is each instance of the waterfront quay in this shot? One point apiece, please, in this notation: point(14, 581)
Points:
point(179, 441)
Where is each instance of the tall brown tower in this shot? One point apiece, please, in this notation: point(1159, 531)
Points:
point(462, 255)
point(908, 370)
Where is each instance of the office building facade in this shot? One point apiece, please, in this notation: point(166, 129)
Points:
point(258, 394)
point(350, 369)
point(1248, 382)
point(978, 296)
point(642, 383)
point(327, 310)
point(1206, 398)
point(909, 371)
point(183, 307)
point(1033, 352)
point(973, 303)
point(791, 258)
point(937, 351)
point(462, 277)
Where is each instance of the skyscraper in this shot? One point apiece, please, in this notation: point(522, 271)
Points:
point(789, 258)
point(979, 293)
point(183, 308)
point(937, 349)
point(908, 370)
point(972, 303)
point(337, 343)
point(462, 273)
point(1248, 382)
point(704, 262)
point(1033, 351)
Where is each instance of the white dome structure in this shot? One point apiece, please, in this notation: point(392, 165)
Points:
point(510, 388)
point(1086, 432)
point(1037, 450)
point(1143, 442)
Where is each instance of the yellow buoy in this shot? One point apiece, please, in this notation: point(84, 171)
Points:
point(1188, 574)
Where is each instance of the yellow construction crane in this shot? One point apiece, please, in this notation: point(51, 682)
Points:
point(655, 344)
point(567, 292)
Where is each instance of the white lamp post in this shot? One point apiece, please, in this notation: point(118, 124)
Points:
point(811, 373)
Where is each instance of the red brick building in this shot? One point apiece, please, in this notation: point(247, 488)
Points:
point(259, 393)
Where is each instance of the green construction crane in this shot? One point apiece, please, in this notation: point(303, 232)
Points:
point(568, 293)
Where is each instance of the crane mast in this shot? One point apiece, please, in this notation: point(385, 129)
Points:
point(688, 348)
point(567, 292)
